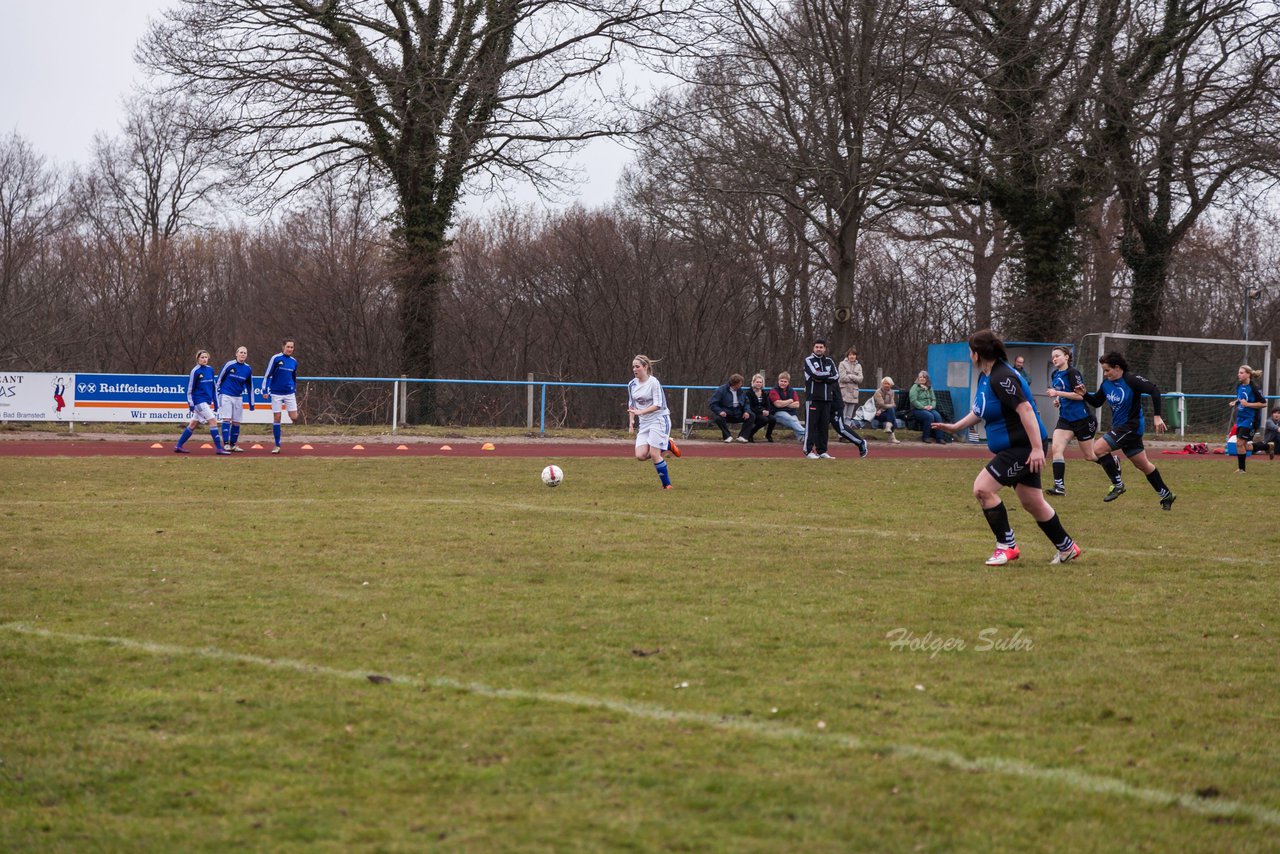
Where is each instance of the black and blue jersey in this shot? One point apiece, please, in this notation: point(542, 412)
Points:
point(200, 386)
point(234, 378)
point(996, 402)
point(1124, 396)
point(281, 375)
point(1068, 408)
point(1247, 417)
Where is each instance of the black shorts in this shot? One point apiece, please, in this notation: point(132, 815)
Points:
point(1127, 441)
point(1083, 428)
point(1009, 468)
point(1244, 434)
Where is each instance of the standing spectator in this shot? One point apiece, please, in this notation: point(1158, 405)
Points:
point(924, 408)
point(235, 378)
point(647, 413)
point(1272, 434)
point(729, 406)
point(1248, 404)
point(1020, 365)
point(200, 400)
point(886, 408)
point(280, 386)
point(1016, 436)
point(850, 372)
point(784, 405)
point(758, 403)
point(1123, 392)
point(821, 387)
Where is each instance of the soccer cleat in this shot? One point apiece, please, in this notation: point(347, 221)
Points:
point(178, 449)
point(276, 449)
point(1116, 491)
point(728, 440)
point(825, 456)
point(1057, 490)
point(863, 450)
point(1166, 503)
point(668, 486)
point(811, 456)
point(1067, 556)
point(1271, 450)
point(742, 438)
point(223, 452)
point(236, 449)
point(671, 446)
point(1003, 555)
point(1241, 471)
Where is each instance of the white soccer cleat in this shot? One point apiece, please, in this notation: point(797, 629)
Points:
point(276, 449)
point(1002, 556)
point(1067, 556)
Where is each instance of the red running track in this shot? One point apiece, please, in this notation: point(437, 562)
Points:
point(55, 447)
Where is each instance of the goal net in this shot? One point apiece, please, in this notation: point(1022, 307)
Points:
point(1196, 376)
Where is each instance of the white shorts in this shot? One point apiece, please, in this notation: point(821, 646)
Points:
point(285, 402)
point(203, 413)
point(231, 408)
point(652, 434)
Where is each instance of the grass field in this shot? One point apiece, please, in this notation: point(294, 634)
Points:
point(186, 646)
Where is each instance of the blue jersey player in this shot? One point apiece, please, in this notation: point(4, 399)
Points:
point(280, 386)
point(1016, 437)
point(234, 380)
point(1248, 404)
point(1123, 392)
point(1075, 418)
point(201, 396)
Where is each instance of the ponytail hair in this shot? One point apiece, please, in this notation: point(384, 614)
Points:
point(988, 346)
point(1066, 351)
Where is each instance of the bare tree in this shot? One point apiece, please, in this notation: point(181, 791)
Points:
point(430, 94)
point(1190, 104)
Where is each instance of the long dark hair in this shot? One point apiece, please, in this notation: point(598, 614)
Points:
point(988, 346)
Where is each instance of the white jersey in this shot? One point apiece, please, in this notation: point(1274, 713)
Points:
point(642, 395)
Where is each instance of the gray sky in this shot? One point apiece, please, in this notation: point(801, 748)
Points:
point(67, 65)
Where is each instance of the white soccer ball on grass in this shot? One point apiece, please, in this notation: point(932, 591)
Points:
point(552, 475)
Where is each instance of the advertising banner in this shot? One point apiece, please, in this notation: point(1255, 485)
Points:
point(36, 397)
point(147, 398)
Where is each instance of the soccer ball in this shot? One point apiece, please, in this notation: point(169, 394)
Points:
point(552, 475)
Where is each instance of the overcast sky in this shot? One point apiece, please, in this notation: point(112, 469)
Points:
point(66, 65)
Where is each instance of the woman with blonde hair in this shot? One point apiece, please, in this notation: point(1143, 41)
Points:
point(1248, 404)
point(886, 408)
point(649, 416)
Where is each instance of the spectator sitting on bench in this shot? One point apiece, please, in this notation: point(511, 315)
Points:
point(1272, 433)
point(924, 408)
point(729, 406)
point(758, 403)
point(886, 412)
point(784, 407)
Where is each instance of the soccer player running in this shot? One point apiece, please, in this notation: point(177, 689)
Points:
point(1248, 404)
point(1074, 417)
point(235, 378)
point(648, 415)
point(280, 386)
point(200, 400)
point(1016, 436)
point(1124, 391)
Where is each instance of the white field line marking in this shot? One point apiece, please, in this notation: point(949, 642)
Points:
point(1079, 780)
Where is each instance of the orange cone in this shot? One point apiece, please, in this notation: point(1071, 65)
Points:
point(255, 447)
point(156, 445)
point(402, 447)
point(446, 447)
point(307, 448)
point(357, 447)
point(487, 446)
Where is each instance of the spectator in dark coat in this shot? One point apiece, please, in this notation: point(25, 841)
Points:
point(729, 406)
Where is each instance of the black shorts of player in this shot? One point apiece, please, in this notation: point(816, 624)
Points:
point(1083, 429)
point(1009, 468)
point(1243, 434)
point(1128, 441)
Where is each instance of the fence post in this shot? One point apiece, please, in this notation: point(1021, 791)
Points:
point(529, 389)
point(404, 400)
point(684, 412)
point(542, 426)
point(1182, 420)
point(395, 404)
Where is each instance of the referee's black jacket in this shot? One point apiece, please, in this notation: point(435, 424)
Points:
point(820, 378)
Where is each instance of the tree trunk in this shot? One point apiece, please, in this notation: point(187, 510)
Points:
point(424, 253)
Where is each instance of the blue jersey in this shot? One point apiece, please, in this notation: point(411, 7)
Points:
point(200, 386)
point(234, 378)
point(1067, 380)
point(281, 375)
point(1124, 396)
point(1247, 417)
point(996, 402)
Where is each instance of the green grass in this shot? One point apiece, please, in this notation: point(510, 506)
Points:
point(763, 585)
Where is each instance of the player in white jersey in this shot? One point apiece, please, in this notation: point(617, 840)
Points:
point(648, 415)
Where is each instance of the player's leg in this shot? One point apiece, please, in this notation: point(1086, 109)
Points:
point(186, 434)
point(1144, 465)
point(986, 489)
point(1059, 451)
point(1046, 517)
point(1102, 449)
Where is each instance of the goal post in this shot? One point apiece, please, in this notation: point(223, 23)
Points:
point(1196, 376)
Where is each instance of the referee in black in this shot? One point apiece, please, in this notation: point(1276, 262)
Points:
point(821, 392)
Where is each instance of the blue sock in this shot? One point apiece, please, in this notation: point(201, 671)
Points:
point(275, 431)
point(226, 433)
point(662, 472)
point(235, 434)
point(217, 440)
point(186, 434)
